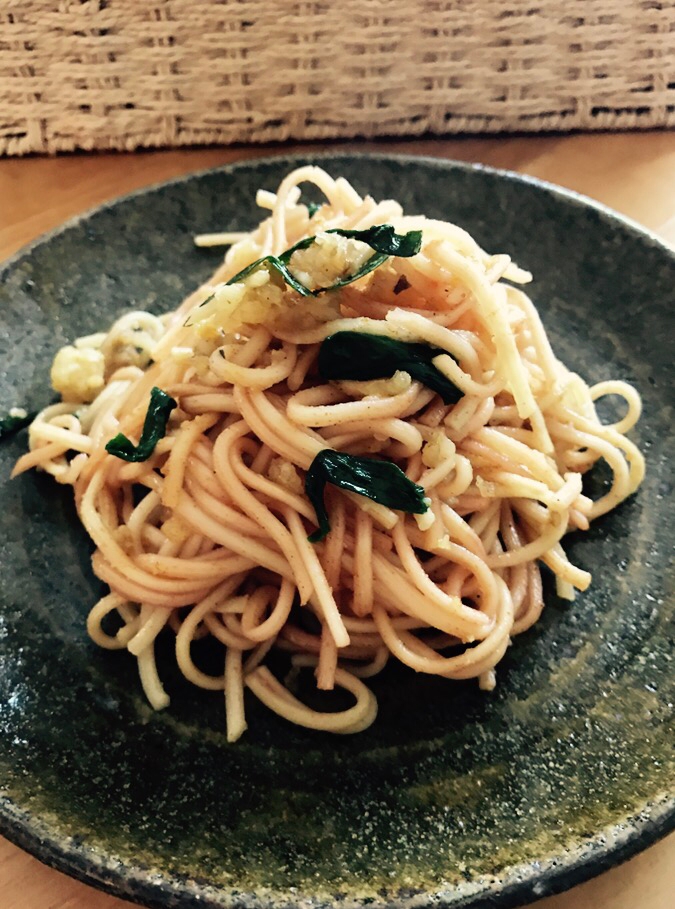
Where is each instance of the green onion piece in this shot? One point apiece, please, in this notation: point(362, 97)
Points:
point(9, 424)
point(380, 481)
point(154, 428)
point(382, 238)
point(360, 356)
point(312, 208)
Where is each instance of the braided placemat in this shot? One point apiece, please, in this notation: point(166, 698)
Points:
point(129, 73)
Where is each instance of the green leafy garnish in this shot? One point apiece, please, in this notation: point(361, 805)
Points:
point(359, 356)
point(279, 264)
point(154, 428)
point(385, 241)
point(10, 424)
point(381, 481)
point(382, 238)
point(312, 208)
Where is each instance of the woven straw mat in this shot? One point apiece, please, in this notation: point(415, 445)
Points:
point(128, 73)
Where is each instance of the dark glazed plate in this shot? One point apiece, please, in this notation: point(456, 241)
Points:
point(454, 797)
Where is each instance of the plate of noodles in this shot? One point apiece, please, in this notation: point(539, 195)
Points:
point(336, 550)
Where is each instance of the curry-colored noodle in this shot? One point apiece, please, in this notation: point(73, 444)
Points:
point(209, 534)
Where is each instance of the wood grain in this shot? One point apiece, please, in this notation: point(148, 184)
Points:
point(633, 173)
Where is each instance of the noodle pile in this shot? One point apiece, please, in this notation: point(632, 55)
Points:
point(209, 535)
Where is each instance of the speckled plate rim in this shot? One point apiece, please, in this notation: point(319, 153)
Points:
point(525, 882)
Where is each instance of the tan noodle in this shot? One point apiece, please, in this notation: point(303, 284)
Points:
point(218, 544)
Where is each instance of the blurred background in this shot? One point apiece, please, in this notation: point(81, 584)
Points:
point(123, 74)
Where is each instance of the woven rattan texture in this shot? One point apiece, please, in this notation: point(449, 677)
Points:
point(129, 73)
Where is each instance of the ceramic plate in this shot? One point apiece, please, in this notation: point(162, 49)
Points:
point(454, 797)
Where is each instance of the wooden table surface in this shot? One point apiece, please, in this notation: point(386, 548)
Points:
point(633, 173)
